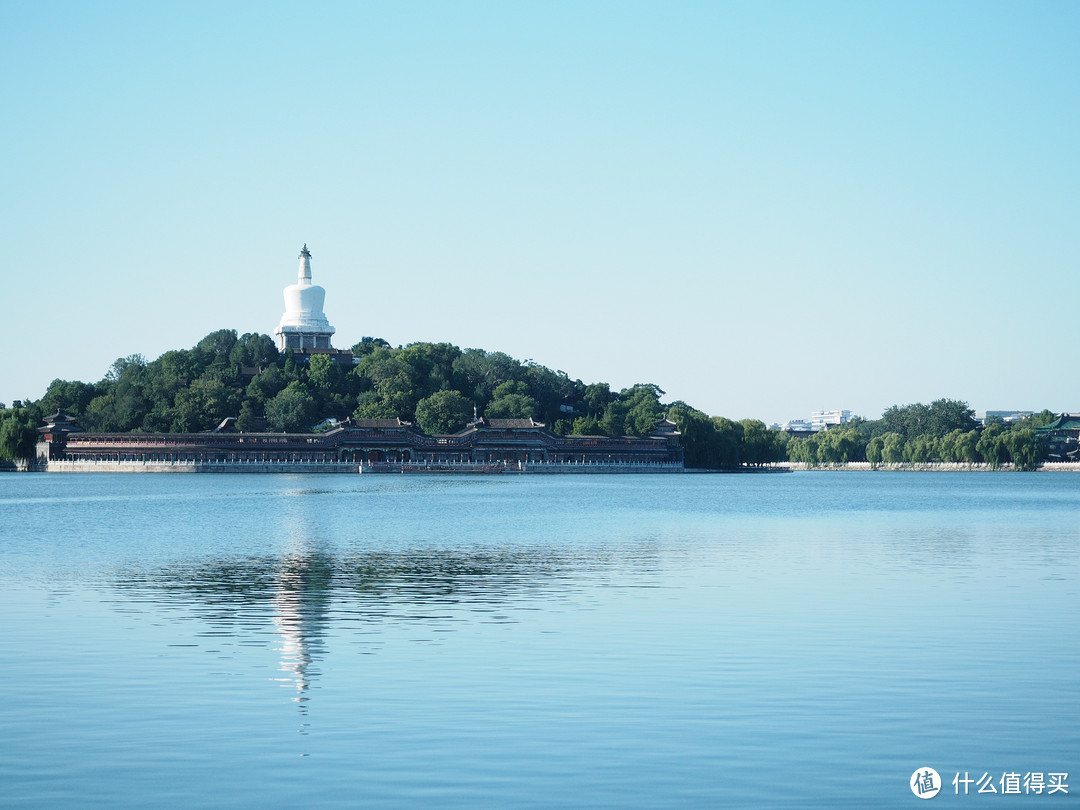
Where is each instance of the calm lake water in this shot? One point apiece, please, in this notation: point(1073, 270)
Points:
point(495, 641)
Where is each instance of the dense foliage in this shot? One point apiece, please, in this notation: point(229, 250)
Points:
point(17, 432)
point(437, 386)
point(943, 431)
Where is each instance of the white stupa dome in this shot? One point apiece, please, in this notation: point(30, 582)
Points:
point(304, 325)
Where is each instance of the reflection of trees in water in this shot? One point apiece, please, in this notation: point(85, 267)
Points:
point(302, 593)
point(224, 589)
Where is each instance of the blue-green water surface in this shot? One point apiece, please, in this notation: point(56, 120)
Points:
point(527, 641)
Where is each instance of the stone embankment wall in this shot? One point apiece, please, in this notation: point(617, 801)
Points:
point(591, 467)
point(936, 466)
point(197, 466)
point(550, 468)
point(341, 467)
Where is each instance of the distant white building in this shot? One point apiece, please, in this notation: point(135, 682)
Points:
point(1005, 416)
point(820, 420)
point(794, 426)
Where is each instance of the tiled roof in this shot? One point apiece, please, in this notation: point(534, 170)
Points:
point(512, 424)
point(379, 423)
point(1065, 421)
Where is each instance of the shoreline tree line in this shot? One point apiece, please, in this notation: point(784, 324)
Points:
point(438, 387)
point(943, 431)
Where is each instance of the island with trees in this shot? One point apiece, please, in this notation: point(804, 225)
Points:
point(439, 388)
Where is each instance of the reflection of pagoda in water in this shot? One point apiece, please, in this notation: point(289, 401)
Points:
point(295, 652)
point(302, 588)
point(301, 593)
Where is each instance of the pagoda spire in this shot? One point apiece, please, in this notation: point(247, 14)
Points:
point(304, 273)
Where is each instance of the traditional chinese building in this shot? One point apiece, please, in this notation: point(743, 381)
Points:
point(1063, 437)
point(376, 444)
point(54, 433)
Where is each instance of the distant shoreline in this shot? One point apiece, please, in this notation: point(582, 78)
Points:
point(351, 468)
point(526, 468)
point(931, 466)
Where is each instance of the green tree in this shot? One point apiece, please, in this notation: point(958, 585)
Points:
point(947, 447)
point(837, 446)
point(511, 400)
point(121, 404)
point(920, 449)
point(217, 345)
point(728, 437)
point(552, 390)
point(643, 408)
point(595, 398)
point(291, 368)
point(67, 397)
point(392, 379)
point(369, 405)
point(254, 350)
point(780, 439)
point(367, 345)
point(701, 441)
point(947, 415)
point(906, 420)
point(324, 375)
point(936, 419)
point(755, 444)
point(1026, 447)
point(613, 422)
point(967, 447)
point(585, 426)
point(803, 450)
point(122, 366)
point(168, 375)
point(863, 430)
point(265, 386)
point(431, 366)
point(247, 422)
point(992, 445)
point(204, 404)
point(478, 373)
point(18, 437)
point(119, 411)
point(443, 412)
point(874, 450)
point(892, 448)
point(292, 410)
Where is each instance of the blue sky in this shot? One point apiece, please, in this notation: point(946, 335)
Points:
point(766, 208)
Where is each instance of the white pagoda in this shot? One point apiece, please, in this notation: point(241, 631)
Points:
point(304, 325)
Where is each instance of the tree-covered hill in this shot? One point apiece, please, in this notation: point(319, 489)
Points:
point(437, 386)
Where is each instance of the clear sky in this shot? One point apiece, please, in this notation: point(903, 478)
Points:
point(766, 208)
